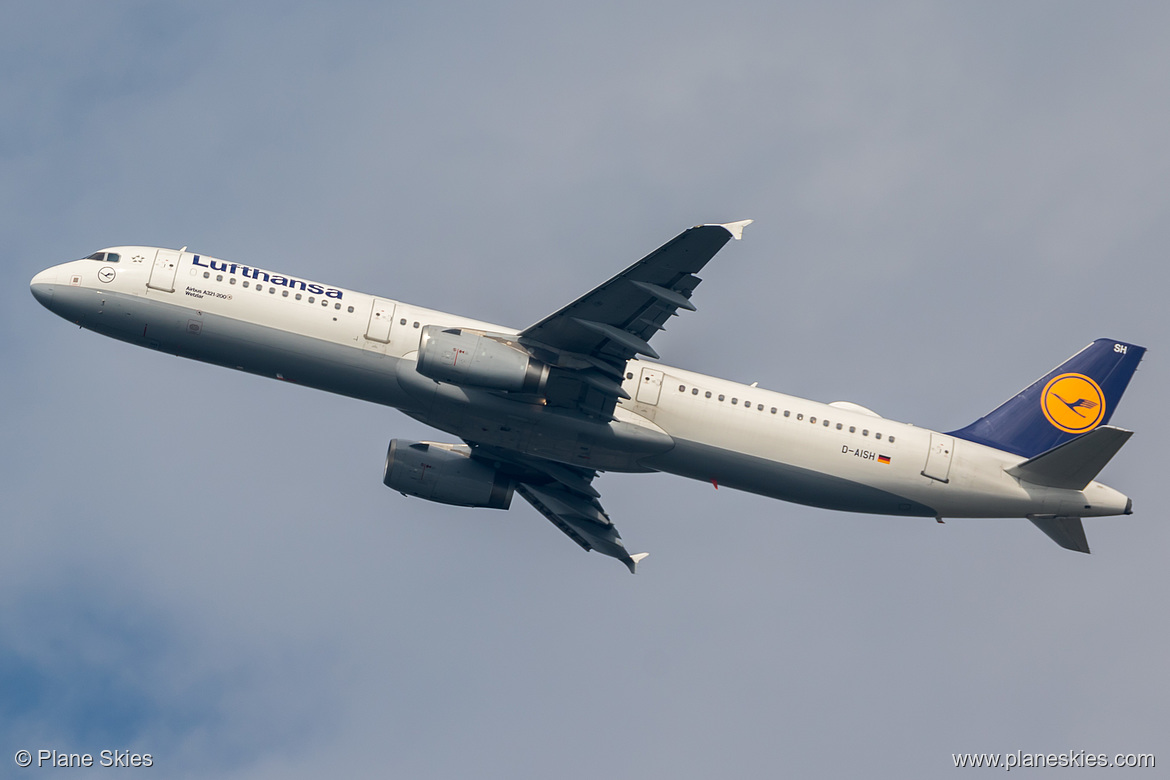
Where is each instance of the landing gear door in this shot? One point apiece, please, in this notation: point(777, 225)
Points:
point(162, 273)
point(938, 458)
point(381, 318)
point(649, 386)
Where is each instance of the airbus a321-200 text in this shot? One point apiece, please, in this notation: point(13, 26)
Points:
point(542, 411)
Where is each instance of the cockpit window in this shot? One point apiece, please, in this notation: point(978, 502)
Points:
point(106, 257)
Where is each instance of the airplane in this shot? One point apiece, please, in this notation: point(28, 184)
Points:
point(542, 411)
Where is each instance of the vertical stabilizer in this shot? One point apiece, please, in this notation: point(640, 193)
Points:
point(1072, 399)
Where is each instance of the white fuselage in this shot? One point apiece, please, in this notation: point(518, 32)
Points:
point(838, 456)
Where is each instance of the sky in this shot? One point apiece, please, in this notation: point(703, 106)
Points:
point(949, 199)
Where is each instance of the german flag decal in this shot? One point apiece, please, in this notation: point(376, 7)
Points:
point(884, 459)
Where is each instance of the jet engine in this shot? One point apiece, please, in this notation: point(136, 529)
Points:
point(476, 359)
point(445, 473)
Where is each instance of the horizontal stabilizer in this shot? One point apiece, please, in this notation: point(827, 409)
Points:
point(1074, 464)
point(1068, 532)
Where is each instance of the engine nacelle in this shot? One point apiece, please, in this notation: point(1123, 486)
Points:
point(475, 359)
point(445, 473)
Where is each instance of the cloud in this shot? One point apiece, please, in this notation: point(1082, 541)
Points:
point(89, 666)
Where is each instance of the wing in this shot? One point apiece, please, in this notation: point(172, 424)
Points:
point(586, 345)
point(588, 342)
point(581, 518)
point(565, 495)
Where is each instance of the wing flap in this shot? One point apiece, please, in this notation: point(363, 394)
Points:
point(620, 337)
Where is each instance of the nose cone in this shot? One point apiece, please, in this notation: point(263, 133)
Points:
point(42, 286)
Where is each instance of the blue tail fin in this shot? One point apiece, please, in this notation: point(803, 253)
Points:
point(1072, 399)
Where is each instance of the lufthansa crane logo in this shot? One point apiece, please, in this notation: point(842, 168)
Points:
point(1073, 403)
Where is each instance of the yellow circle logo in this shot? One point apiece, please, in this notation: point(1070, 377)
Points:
point(1073, 403)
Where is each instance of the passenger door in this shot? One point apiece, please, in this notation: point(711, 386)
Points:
point(938, 457)
point(162, 273)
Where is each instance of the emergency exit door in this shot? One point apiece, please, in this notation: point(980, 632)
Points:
point(381, 317)
point(649, 386)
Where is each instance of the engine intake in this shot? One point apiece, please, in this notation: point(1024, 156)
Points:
point(475, 359)
point(445, 473)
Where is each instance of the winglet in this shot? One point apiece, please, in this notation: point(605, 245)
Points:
point(634, 561)
point(736, 228)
